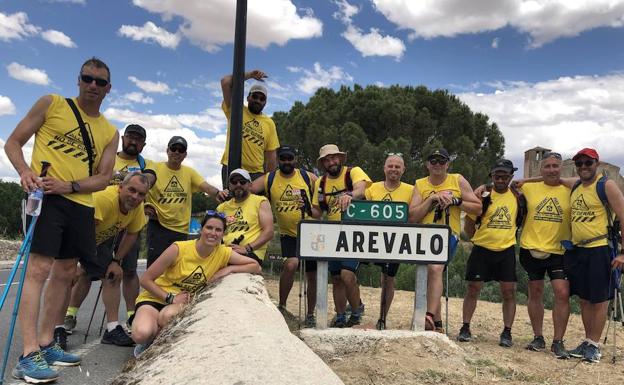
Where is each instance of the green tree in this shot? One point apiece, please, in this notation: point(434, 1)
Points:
point(369, 122)
point(201, 202)
point(11, 195)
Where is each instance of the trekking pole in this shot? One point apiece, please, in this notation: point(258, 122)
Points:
point(614, 322)
point(446, 313)
point(381, 324)
point(300, 289)
point(20, 255)
point(102, 323)
point(97, 299)
point(305, 291)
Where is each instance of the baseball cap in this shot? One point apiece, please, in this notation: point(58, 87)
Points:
point(177, 140)
point(135, 128)
point(503, 165)
point(589, 152)
point(258, 88)
point(242, 172)
point(441, 153)
point(286, 149)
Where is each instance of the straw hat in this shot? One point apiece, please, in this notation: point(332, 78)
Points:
point(329, 149)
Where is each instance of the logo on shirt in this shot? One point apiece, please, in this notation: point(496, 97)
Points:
point(173, 192)
point(194, 281)
point(289, 200)
point(252, 133)
point(581, 211)
point(237, 223)
point(332, 201)
point(501, 219)
point(387, 198)
point(72, 144)
point(549, 210)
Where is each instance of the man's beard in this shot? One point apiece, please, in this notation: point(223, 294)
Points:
point(131, 150)
point(255, 108)
point(240, 193)
point(334, 170)
point(286, 168)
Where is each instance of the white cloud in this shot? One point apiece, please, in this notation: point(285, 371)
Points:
point(210, 120)
point(28, 75)
point(543, 20)
point(563, 114)
point(152, 33)
point(7, 172)
point(345, 11)
point(16, 27)
point(132, 98)
point(150, 86)
point(6, 106)
point(210, 27)
point(58, 38)
point(495, 42)
point(319, 77)
point(373, 43)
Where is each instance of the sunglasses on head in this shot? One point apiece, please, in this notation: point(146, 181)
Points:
point(178, 149)
point(440, 161)
point(258, 96)
point(89, 79)
point(586, 163)
point(214, 213)
point(241, 182)
point(287, 157)
point(399, 154)
point(551, 154)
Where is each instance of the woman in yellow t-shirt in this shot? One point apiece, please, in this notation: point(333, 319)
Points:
point(181, 270)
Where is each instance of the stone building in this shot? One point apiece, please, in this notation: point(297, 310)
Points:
point(533, 157)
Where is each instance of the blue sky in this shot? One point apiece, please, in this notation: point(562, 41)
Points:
point(548, 72)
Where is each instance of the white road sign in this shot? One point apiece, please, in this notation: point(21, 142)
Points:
point(388, 242)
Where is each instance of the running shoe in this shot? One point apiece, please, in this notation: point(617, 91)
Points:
point(340, 321)
point(34, 369)
point(140, 348)
point(381, 324)
point(354, 319)
point(559, 350)
point(60, 336)
point(55, 355)
point(579, 351)
point(592, 354)
point(505, 339)
point(310, 321)
point(117, 337)
point(70, 323)
point(464, 334)
point(537, 345)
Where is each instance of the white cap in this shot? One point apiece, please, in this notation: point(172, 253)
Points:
point(241, 172)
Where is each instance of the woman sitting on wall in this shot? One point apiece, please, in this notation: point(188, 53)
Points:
point(181, 270)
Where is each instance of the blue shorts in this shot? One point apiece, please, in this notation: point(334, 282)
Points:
point(589, 272)
point(336, 266)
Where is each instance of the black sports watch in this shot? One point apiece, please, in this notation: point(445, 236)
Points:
point(169, 298)
point(75, 186)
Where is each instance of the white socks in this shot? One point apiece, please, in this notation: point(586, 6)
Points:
point(110, 326)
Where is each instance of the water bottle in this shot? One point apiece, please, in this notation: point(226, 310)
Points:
point(33, 205)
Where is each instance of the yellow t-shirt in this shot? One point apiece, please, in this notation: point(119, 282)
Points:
point(122, 168)
point(59, 142)
point(171, 195)
point(110, 220)
point(378, 192)
point(259, 135)
point(548, 218)
point(337, 185)
point(243, 219)
point(450, 185)
point(190, 272)
point(497, 231)
point(588, 216)
point(285, 194)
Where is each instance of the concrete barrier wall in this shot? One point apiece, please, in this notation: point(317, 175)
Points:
point(234, 334)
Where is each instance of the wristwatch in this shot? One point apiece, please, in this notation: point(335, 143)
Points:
point(169, 298)
point(75, 186)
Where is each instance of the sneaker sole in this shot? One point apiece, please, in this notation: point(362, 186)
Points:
point(505, 345)
point(575, 355)
point(534, 349)
point(464, 339)
point(31, 380)
point(62, 363)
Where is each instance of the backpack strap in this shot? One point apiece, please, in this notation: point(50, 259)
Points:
point(141, 162)
point(270, 179)
point(348, 181)
point(522, 207)
point(83, 132)
point(321, 193)
point(306, 179)
point(485, 203)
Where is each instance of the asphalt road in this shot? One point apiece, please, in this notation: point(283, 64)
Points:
point(100, 363)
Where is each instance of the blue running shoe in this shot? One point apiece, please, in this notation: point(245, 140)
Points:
point(579, 351)
point(140, 348)
point(34, 369)
point(55, 355)
point(340, 321)
point(592, 354)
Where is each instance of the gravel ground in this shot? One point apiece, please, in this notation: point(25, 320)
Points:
point(9, 249)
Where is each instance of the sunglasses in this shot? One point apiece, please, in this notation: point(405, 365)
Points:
point(178, 149)
point(399, 154)
point(286, 158)
point(501, 177)
point(241, 182)
point(98, 81)
point(214, 213)
point(258, 96)
point(551, 154)
point(439, 161)
point(586, 163)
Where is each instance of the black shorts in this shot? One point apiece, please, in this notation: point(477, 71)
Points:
point(159, 238)
point(156, 305)
point(129, 263)
point(336, 266)
point(537, 268)
point(96, 268)
point(589, 272)
point(65, 230)
point(289, 250)
point(487, 265)
point(389, 269)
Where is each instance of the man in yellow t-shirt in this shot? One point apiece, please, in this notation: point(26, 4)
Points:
point(493, 256)
point(393, 190)
point(333, 193)
point(168, 204)
point(439, 199)
point(547, 223)
point(259, 134)
point(119, 213)
point(64, 230)
point(249, 218)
